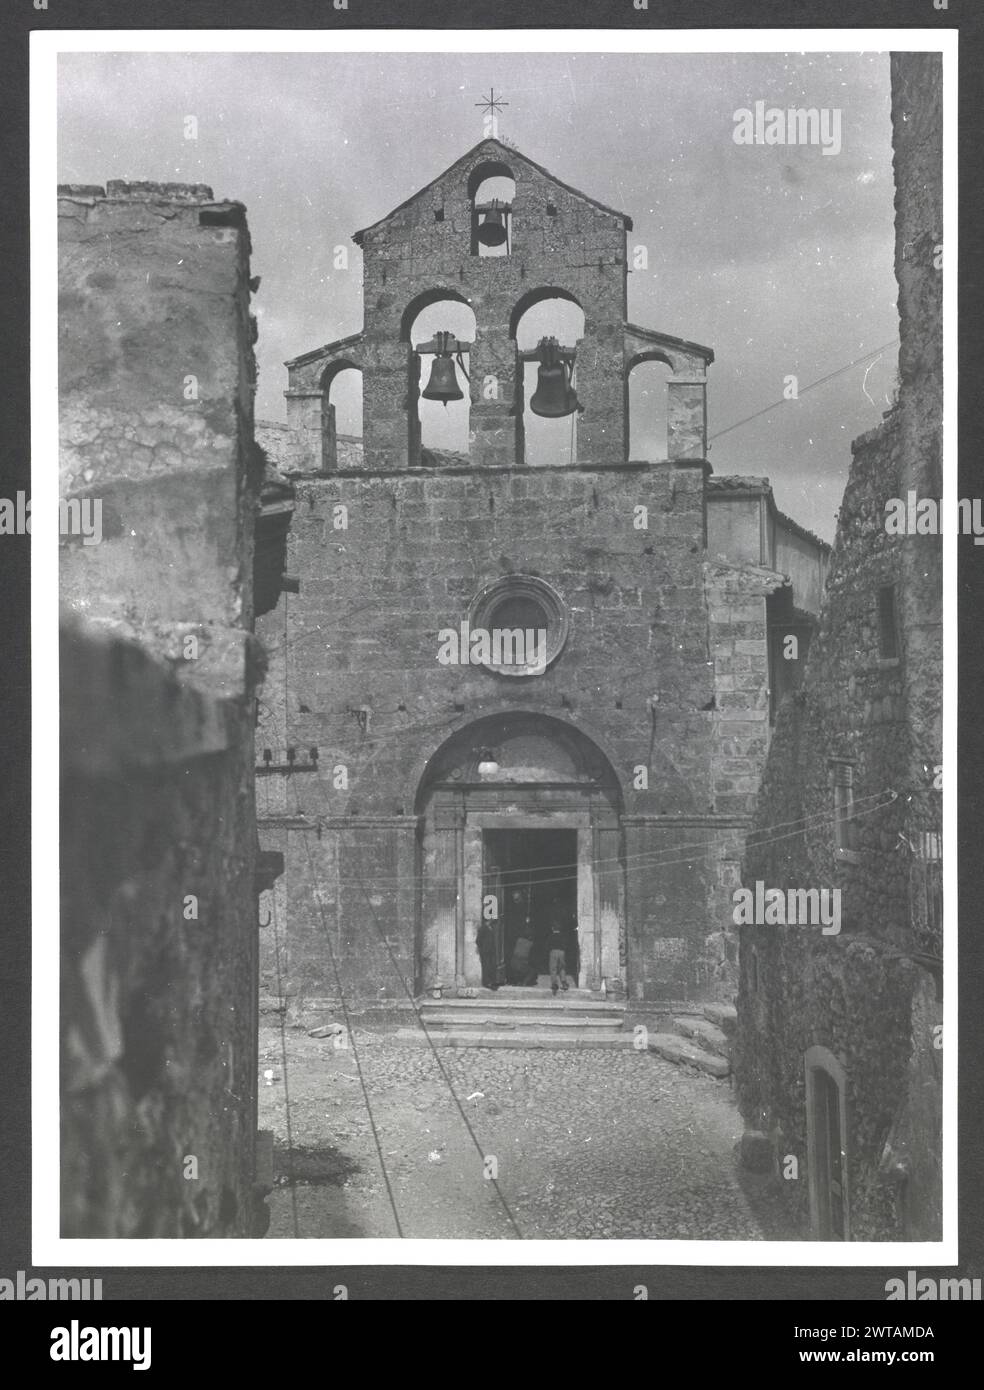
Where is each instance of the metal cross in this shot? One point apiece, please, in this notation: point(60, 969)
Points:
point(491, 104)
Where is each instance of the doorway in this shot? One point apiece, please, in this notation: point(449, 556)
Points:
point(529, 875)
point(826, 1126)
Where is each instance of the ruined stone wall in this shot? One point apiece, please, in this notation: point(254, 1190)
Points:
point(157, 685)
point(867, 995)
point(637, 676)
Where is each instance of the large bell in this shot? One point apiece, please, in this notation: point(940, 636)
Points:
point(443, 384)
point(492, 229)
point(554, 396)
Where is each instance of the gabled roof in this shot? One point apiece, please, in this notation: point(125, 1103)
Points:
point(506, 153)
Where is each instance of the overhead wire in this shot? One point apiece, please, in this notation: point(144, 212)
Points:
point(440, 1065)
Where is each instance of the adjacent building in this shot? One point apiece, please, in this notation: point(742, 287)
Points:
point(182, 539)
point(839, 1052)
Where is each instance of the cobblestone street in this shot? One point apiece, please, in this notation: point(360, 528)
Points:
point(588, 1144)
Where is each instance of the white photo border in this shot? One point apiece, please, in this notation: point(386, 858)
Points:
point(49, 1247)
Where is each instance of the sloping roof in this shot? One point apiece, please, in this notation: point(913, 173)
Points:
point(748, 483)
point(505, 153)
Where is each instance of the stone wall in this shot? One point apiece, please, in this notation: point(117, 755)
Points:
point(659, 672)
point(870, 996)
point(157, 685)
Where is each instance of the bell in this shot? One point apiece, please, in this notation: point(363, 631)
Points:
point(443, 384)
point(492, 230)
point(554, 396)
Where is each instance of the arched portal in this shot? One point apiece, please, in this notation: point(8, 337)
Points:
point(520, 818)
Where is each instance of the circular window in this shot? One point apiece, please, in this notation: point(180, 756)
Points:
point(518, 626)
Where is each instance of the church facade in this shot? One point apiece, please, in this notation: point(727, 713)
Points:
point(519, 670)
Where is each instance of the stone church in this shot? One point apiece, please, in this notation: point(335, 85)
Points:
point(418, 782)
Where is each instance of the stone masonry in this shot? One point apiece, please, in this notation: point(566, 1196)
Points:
point(159, 666)
point(645, 734)
point(839, 1057)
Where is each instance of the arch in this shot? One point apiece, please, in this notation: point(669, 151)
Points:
point(532, 297)
point(593, 763)
point(543, 312)
point(651, 356)
point(827, 1143)
point(647, 407)
point(491, 185)
point(519, 793)
point(423, 301)
point(488, 169)
point(340, 418)
point(436, 430)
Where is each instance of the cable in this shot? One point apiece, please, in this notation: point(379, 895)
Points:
point(652, 859)
point(349, 1033)
point(399, 975)
point(283, 1063)
point(802, 391)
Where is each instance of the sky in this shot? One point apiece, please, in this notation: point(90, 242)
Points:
point(779, 257)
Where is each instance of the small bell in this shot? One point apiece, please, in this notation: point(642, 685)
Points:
point(554, 396)
point(492, 229)
point(443, 384)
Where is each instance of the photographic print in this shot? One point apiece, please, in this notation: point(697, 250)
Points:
point(501, 572)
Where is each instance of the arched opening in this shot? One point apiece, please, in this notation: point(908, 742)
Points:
point(520, 841)
point(826, 1132)
point(491, 191)
point(544, 313)
point(438, 429)
point(648, 401)
point(341, 415)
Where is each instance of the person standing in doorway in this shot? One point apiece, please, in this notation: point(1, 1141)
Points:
point(557, 948)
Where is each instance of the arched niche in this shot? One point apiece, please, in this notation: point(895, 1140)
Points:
point(542, 313)
point(437, 432)
point(491, 186)
point(647, 406)
point(341, 412)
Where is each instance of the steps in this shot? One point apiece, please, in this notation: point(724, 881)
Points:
point(701, 1041)
point(517, 1017)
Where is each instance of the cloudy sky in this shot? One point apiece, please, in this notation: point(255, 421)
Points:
point(779, 257)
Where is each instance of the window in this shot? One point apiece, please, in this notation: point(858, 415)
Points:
point(527, 624)
point(888, 632)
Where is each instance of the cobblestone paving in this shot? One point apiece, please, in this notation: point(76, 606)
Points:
point(588, 1144)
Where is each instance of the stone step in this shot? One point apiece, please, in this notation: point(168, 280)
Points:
point(724, 1016)
point(527, 992)
point(684, 1053)
point(704, 1033)
point(529, 1018)
point(546, 1003)
point(521, 1038)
